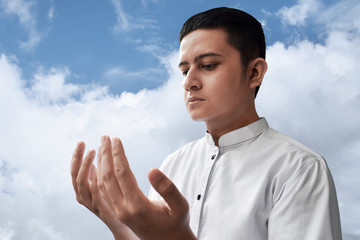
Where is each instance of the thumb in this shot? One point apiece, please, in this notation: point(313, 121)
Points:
point(168, 191)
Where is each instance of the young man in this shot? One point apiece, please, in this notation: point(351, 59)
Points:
point(242, 180)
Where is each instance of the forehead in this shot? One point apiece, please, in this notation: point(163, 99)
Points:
point(201, 41)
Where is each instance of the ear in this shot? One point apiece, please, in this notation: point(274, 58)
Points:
point(257, 69)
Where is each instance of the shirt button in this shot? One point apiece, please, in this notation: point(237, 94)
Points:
point(213, 157)
point(198, 197)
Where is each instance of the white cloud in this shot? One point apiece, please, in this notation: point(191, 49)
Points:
point(132, 24)
point(122, 23)
point(23, 10)
point(311, 92)
point(155, 48)
point(342, 16)
point(145, 3)
point(297, 14)
point(7, 232)
point(122, 73)
point(50, 87)
point(51, 13)
point(40, 128)
point(126, 22)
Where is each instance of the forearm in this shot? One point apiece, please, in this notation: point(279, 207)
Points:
point(185, 234)
point(188, 236)
point(124, 233)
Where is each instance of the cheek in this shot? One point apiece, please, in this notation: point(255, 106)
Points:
point(185, 99)
point(227, 97)
point(224, 89)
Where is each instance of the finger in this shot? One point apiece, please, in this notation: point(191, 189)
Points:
point(100, 183)
point(108, 174)
point(98, 170)
point(82, 181)
point(92, 173)
point(123, 173)
point(99, 204)
point(76, 163)
point(94, 189)
point(96, 195)
point(99, 207)
point(168, 191)
point(103, 210)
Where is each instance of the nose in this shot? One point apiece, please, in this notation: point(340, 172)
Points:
point(191, 81)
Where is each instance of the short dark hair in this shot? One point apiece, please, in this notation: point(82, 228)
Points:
point(244, 32)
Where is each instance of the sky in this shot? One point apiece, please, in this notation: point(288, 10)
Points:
point(76, 70)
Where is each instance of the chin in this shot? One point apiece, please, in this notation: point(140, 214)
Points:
point(200, 114)
point(197, 117)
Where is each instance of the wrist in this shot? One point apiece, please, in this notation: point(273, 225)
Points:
point(187, 234)
point(125, 236)
point(123, 233)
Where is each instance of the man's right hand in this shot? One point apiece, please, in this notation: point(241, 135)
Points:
point(84, 180)
point(112, 193)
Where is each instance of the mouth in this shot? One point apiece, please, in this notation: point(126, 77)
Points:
point(192, 100)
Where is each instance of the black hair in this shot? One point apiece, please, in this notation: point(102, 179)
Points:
point(244, 32)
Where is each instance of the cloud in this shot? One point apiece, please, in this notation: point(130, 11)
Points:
point(297, 14)
point(342, 16)
point(50, 86)
point(122, 23)
point(23, 10)
point(121, 72)
point(129, 26)
point(127, 23)
point(144, 3)
point(155, 48)
point(7, 232)
point(311, 92)
point(51, 13)
point(41, 124)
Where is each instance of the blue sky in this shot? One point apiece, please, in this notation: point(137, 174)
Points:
point(104, 42)
point(72, 70)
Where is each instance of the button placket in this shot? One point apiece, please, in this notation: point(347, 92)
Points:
point(215, 152)
point(201, 194)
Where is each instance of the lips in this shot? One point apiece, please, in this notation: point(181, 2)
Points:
point(193, 99)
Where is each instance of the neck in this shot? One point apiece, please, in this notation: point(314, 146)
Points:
point(220, 128)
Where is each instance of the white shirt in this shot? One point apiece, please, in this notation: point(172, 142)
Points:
point(258, 184)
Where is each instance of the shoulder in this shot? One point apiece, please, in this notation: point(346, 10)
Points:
point(280, 139)
point(286, 150)
point(292, 163)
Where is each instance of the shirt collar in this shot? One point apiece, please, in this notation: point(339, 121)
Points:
point(240, 135)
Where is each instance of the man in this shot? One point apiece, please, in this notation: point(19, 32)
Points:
point(243, 180)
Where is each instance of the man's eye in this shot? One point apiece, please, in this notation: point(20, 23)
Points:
point(184, 73)
point(209, 66)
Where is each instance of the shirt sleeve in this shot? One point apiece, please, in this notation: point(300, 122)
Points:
point(307, 208)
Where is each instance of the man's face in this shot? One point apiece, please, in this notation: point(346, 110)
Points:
point(216, 89)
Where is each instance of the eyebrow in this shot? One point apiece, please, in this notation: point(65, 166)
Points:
point(198, 58)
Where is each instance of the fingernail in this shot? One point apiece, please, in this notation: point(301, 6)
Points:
point(91, 153)
point(115, 141)
point(80, 144)
point(103, 139)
